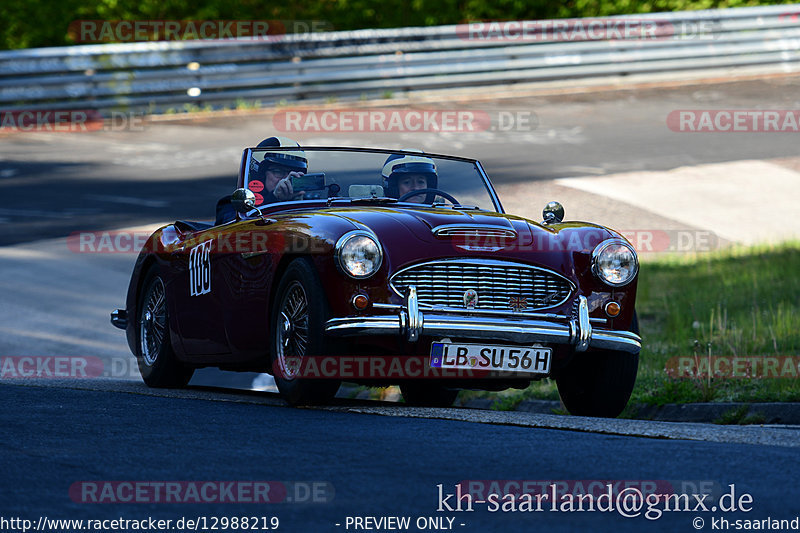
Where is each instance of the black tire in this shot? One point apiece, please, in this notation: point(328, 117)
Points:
point(158, 365)
point(428, 395)
point(297, 332)
point(599, 383)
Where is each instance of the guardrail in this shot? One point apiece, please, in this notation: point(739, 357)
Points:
point(154, 76)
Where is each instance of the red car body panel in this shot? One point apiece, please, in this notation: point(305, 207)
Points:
point(229, 326)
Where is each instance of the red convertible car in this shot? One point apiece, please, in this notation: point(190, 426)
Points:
point(385, 266)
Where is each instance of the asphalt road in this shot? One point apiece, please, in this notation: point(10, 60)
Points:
point(362, 464)
point(56, 302)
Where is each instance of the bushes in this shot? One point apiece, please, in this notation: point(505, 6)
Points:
point(45, 23)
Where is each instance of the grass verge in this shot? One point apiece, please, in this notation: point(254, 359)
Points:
point(701, 310)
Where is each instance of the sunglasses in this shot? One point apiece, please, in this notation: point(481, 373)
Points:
point(281, 171)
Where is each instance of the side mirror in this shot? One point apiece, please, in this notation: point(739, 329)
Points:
point(553, 213)
point(243, 200)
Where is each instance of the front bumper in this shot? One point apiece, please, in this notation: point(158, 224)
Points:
point(119, 317)
point(410, 322)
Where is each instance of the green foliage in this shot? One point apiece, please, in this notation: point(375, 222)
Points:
point(27, 24)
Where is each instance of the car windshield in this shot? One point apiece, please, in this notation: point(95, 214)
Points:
point(363, 174)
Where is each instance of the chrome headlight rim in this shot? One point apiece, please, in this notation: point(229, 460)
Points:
point(342, 242)
point(597, 254)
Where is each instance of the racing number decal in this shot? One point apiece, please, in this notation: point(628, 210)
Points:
point(200, 269)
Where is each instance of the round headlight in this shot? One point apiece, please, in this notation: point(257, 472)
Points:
point(359, 254)
point(615, 262)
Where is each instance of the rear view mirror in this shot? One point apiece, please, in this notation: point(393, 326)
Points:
point(553, 213)
point(243, 200)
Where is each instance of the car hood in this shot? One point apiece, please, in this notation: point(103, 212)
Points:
point(406, 235)
point(387, 222)
point(394, 224)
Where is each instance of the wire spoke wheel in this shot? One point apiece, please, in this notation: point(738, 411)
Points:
point(428, 394)
point(158, 364)
point(153, 323)
point(293, 331)
point(298, 315)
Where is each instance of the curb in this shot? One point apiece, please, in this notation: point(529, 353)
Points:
point(735, 412)
point(720, 413)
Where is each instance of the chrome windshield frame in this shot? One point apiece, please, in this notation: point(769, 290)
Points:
point(248, 154)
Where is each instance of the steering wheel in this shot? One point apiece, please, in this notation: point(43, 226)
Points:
point(435, 192)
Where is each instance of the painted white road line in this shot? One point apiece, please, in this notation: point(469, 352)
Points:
point(743, 201)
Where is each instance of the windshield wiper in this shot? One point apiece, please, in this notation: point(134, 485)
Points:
point(370, 199)
point(451, 206)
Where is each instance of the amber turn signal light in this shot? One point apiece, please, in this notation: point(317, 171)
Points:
point(613, 309)
point(360, 302)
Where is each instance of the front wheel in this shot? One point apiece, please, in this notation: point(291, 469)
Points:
point(599, 383)
point(158, 365)
point(298, 319)
point(428, 395)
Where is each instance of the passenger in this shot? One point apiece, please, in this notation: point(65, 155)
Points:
point(276, 171)
point(278, 168)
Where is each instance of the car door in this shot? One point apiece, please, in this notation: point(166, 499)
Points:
point(251, 256)
point(197, 292)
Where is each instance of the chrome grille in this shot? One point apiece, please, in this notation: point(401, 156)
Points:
point(443, 284)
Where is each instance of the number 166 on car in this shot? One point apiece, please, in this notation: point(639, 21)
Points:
point(530, 360)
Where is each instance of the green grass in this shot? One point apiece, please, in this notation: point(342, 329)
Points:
point(733, 302)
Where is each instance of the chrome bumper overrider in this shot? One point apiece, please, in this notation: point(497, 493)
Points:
point(410, 322)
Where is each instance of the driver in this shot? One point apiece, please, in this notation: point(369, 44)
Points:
point(406, 173)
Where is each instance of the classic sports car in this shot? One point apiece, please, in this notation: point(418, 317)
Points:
point(380, 259)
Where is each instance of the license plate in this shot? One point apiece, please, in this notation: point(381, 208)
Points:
point(529, 360)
